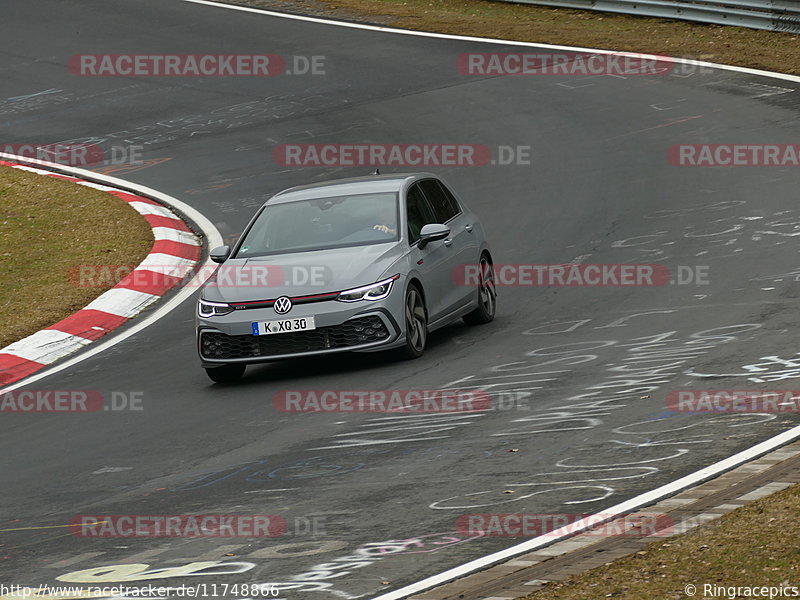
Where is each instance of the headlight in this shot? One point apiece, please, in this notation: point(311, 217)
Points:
point(212, 309)
point(376, 291)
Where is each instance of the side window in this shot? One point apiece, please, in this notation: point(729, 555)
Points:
point(444, 203)
point(451, 199)
point(418, 213)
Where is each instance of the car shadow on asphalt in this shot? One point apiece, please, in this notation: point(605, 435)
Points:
point(350, 363)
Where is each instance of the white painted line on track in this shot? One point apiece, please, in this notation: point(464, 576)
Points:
point(629, 505)
point(467, 38)
point(214, 238)
point(602, 516)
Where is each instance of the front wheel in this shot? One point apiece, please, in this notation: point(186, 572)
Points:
point(416, 324)
point(487, 296)
point(226, 373)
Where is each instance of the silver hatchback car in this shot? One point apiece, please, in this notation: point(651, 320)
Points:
point(362, 264)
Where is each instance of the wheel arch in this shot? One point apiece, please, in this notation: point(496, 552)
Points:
point(415, 281)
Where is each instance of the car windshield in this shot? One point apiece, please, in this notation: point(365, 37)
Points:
point(322, 223)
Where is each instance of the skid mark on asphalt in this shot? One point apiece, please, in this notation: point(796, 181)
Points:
point(669, 123)
point(181, 556)
point(667, 105)
point(220, 551)
point(68, 562)
point(139, 165)
point(748, 89)
point(144, 555)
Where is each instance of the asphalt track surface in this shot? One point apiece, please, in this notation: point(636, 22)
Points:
point(599, 190)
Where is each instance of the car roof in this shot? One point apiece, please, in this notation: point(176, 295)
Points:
point(390, 182)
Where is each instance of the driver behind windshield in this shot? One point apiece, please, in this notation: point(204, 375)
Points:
point(386, 217)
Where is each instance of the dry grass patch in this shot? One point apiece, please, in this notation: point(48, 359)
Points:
point(755, 545)
point(47, 227)
point(482, 18)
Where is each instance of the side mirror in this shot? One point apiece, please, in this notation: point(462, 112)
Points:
point(432, 232)
point(220, 254)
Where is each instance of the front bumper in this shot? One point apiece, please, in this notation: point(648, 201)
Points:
point(341, 327)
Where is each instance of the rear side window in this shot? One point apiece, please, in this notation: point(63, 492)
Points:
point(443, 202)
point(418, 213)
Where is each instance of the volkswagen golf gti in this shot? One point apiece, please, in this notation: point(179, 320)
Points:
point(362, 264)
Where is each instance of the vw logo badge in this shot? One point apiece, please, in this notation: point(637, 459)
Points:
point(283, 305)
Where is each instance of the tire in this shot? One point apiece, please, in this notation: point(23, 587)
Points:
point(487, 296)
point(227, 373)
point(416, 324)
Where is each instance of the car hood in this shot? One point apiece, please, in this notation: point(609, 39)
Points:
point(301, 273)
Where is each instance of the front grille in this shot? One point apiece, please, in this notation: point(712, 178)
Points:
point(296, 300)
point(355, 332)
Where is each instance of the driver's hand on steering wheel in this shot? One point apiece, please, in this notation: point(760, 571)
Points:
point(385, 229)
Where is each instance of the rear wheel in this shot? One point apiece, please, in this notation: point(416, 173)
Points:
point(226, 373)
point(487, 296)
point(416, 324)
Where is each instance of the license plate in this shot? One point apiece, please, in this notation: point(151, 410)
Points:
point(284, 326)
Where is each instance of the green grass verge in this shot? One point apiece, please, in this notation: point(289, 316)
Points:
point(49, 226)
point(755, 545)
point(483, 18)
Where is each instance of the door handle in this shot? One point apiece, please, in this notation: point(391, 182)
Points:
point(468, 228)
point(448, 242)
